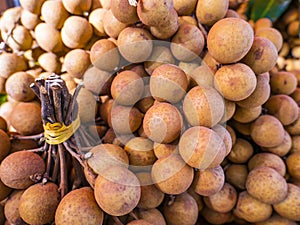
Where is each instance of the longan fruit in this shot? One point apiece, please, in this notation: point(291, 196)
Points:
point(236, 174)
point(272, 34)
point(241, 151)
point(17, 167)
point(11, 207)
point(251, 209)
point(5, 145)
point(209, 13)
point(295, 143)
point(97, 81)
point(231, 13)
point(283, 107)
point(260, 94)
point(294, 128)
point(214, 217)
point(275, 219)
point(203, 106)
point(164, 150)
point(283, 82)
point(225, 136)
point(76, 62)
point(33, 6)
point(3, 124)
point(79, 37)
point(20, 39)
point(50, 62)
point(266, 185)
point(11, 63)
point(4, 191)
point(262, 56)
point(168, 83)
point(213, 176)
point(246, 115)
point(293, 28)
point(290, 206)
point(117, 191)
point(77, 7)
point(267, 131)
point(293, 165)
point(123, 11)
point(127, 88)
point(104, 55)
point(96, 18)
point(199, 146)
point(197, 197)
point(135, 44)
point(182, 211)
point(162, 123)
point(187, 43)
point(153, 216)
point(220, 41)
point(111, 25)
point(79, 200)
point(172, 175)
point(151, 196)
point(184, 8)
point(48, 38)
point(296, 96)
point(230, 108)
point(201, 75)
point(235, 82)
point(262, 23)
point(9, 19)
point(19, 145)
point(139, 222)
point(107, 155)
point(54, 13)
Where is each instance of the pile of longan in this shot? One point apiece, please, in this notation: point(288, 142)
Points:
point(195, 121)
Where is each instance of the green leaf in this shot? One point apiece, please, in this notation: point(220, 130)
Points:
point(3, 98)
point(271, 9)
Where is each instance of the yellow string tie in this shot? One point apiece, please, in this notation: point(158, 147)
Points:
point(57, 133)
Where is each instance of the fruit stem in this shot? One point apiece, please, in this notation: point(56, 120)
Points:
point(63, 186)
point(117, 220)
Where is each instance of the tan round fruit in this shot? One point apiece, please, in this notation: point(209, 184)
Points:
point(33, 6)
point(111, 25)
point(262, 23)
point(97, 81)
point(184, 7)
point(230, 39)
point(272, 34)
point(11, 63)
point(96, 18)
point(201, 75)
point(267, 131)
point(262, 56)
point(20, 39)
point(223, 201)
point(5, 145)
point(151, 196)
point(50, 62)
point(199, 146)
point(182, 211)
point(225, 136)
point(104, 156)
point(162, 123)
point(236, 174)
point(235, 82)
point(290, 206)
point(187, 43)
point(230, 108)
point(80, 200)
point(54, 13)
point(153, 216)
point(76, 32)
point(124, 12)
point(77, 7)
point(203, 106)
point(267, 160)
point(117, 191)
point(210, 12)
point(266, 185)
point(42, 198)
point(294, 128)
point(9, 19)
point(251, 209)
point(214, 217)
point(168, 83)
point(4, 191)
point(275, 219)
point(283, 82)
point(241, 151)
point(172, 175)
point(247, 115)
point(127, 88)
point(164, 150)
point(293, 165)
point(213, 176)
point(135, 44)
point(11, 207)
point(76, 62)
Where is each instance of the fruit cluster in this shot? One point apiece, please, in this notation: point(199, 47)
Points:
point(188, 119)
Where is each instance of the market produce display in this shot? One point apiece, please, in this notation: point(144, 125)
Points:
point(148, 112)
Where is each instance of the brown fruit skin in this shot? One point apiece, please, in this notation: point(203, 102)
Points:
point(16, 169)
point(41, 198)
point(50, 62)
point(4, 191)
point(213, 176)
point(221, 45)
point(241, 151)
point(153, 216)
point(5, 145)
point(151, 196)
point(11, 207)
point(33, 6)
point(246, 115)
point(267, 159)
point(251, 209)
point(282, 149)
point(77, 7)
point(225, 136)
point(293, 166)
point(236, 174)
point(214, 217)
point(124, 12)
point(139, 222)
point(184, 7)
point(97, 81)
point(80, 200)
point(267, 131)
point(26, 118)
point(54, 13)
point(294, 128)
point(17, 87)
point(11, 63)
point(290, 206)
point(111, 25)
point(20, 39)
point(223, 201)
point(117, 191)
point(187, 43)
point(183, 211)
point(262, 56)
point(275, 219)
point(29, 20)
point(283, 107)
point(272, 34)
point(210, 12)
point(172, 175)
point(96, 18)
point(199, 146)
point(283, 82)
point(266, 185)
point(76, 62)
point(235, 82)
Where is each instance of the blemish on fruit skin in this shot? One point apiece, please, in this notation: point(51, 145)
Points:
point(258, 53)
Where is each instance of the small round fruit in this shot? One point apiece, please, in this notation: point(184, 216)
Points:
point(214, 217)
point(272, 34)
point(33, 6)
point(96, 18)
point(247, 115)
point(54, 13)
point(293, 165)
point(283, 82)
point(153, 216)
point(230, 39)
point(241, 151)
point(117, 191)
point(77, 7)
point(11, 63)
point(139, 222)
point(5, 145)
point(124, 12)
point(76, 62)
point(97, 81)
point(236, 174)
point(283, 148)
point(11, 207)
point(112, 27)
